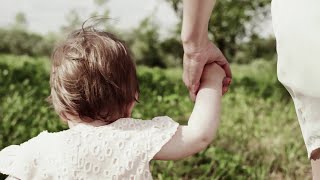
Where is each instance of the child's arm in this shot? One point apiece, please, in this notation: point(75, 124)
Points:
point(203, 122)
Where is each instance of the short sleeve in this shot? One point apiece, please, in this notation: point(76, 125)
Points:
point(11, 162)
point(15, 160)
point(161, 131)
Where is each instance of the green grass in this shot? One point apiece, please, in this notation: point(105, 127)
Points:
point(258, 138)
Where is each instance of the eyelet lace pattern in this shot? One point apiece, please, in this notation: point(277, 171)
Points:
point(121, 150)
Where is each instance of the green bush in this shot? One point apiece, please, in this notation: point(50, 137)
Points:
point(259, 137)
point(21, 42)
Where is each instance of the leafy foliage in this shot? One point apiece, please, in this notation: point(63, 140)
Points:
point(256, 48)
point(258, 138)
point(20, 20)
point(73, 22)
point(232, 21)
point(145, 45)
point(20, 42)
point(232, 26)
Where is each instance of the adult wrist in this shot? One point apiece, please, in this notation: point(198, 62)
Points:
point(193, 44)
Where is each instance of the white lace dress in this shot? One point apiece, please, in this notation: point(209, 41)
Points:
point(121, 150)
point(297, 29)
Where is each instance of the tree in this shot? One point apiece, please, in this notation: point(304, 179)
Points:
point(100, 2)
point(232, 21)
point(145, 44)
point(73, 21)
point(20, 21)
point(172, 51)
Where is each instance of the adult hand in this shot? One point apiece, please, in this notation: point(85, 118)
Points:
point(194, 60)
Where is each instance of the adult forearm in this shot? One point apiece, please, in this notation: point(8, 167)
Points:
point(196, 15)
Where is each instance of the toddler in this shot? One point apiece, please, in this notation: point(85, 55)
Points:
point(94, 88)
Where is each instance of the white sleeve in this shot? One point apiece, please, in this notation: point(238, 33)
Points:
point(15, 160)
point(12, 162)
point(160, 132)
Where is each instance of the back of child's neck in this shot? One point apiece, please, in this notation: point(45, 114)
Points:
point(74, 121)
point(96, 123)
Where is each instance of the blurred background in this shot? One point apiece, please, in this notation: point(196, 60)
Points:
point(259, 136)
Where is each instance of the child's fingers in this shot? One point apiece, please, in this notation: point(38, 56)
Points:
point(225, 81)
point(224, 89)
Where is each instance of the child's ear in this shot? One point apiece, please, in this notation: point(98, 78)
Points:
point(131, 106)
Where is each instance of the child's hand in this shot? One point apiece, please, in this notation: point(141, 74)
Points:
point(212, 74)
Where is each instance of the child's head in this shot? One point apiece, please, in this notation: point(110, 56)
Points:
point(93, 77)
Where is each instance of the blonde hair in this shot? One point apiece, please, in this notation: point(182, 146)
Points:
point(93, 75)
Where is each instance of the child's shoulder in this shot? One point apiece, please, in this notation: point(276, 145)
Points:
point(27, 144)
point(139, 124)
point(129, 129)
point(41, 141)
point(17, 158)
